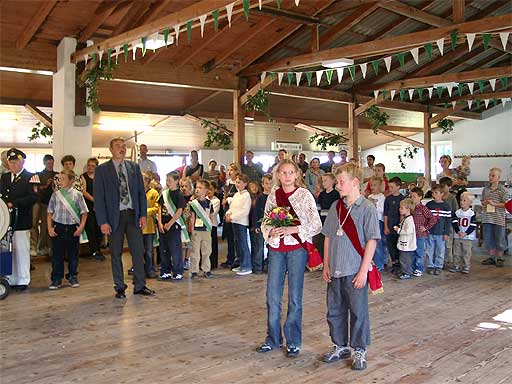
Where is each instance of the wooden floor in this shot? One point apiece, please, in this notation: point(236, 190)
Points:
point(428, 330)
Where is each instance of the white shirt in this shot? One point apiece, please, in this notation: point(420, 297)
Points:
point(147, 165)
point(379, 204)
point(240, 207)
point(215, 214)
point(407, 235)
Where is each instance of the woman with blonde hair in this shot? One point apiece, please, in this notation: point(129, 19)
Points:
point(227, 228)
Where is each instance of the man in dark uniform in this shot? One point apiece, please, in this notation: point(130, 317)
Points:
point(18, 189)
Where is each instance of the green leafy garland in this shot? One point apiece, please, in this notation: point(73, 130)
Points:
point(446, 125)
point(41, 130)
point(102, 71)
point(376, 117)
point(259, 103)
point(217, 134)
point(326, 140)
point(408, 153)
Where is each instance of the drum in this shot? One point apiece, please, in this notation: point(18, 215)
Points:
point(5, 219)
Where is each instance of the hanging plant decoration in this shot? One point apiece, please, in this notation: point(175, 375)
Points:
point(41, 130)
point(408, 153)
point(323, 140)
point(102, 71)
point(217, 134)
point(259, 103)
point(377, 118)
point(446, 125)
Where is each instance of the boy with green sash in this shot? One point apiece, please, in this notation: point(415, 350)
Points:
point(172, 229)
point(200, 226)
point(67, 215)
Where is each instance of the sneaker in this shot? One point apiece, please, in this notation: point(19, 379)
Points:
point(193, 275)
point(500, 263)
point(165, 277)
point(430, 271)
point(489, 261)
point(243, 273)
point(455, 269)
point(264, 348)
point(98, 256)
point(73, 282)
point(151, 275)
point(465, 270)
point(337, 353)
point(405, 276)
point(359, 361)
point(417, 273)
point(236, 269)
point(130, 271)
point(177, 277)
point(208, 275)
point(226, 266)
point(292, 351)
point(437, 271)
point(186, 264)
point(54, 285)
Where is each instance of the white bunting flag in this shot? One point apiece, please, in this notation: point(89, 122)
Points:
point(202, 20)
point(177, 32)
point(259, 4)
point(134, 48)
point(440, 45)
point(118, 51)
point(376, 94)
point(298, 75)
point(297, 3)
point(229, 11)
point(387, 61)
point(504, 39)
point(319, 77)
point(493, 84)
point(100, 55)
point(416, 55)
point(450, 87)
point(339, 73)
point(454, 103)
point(430, 90)
point(470, 103)
point(504, 100)
point(86, 57)
point(363, 67)
point(411, 93)
point(486, 102)
point(392, 94)
point(263, 75)
point(471, 86)
point(470, 37)
point(280, 77)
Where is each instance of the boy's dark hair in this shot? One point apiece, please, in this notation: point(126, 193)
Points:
point(381, 166)
point(418, 191)
point(267, 176)
point(213, 185)
point(371, 156)
point(93, 160)
point(436, 187)
point(445, 181)
point(46, 158)
point(243, 178)
point(204, 182)
point(175, 175)
point(396, 180)
point(68, 158)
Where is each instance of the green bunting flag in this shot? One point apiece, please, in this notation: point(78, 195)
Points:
point(439, 91)
point(166, 36)
point(95, 58)
point(495, 102)
point(401, 58)
point(215, 19)
point(109, 52)
point(428, 49)
point(420, 93)
point(478, 103)
point(328, 74)
point(125, 49)
point(246, 9)
point(446, 105)
point(454, 36)
point(352, 70)
point(504, 81)
point(384, 94)
point(487, 38)
point(278, 4)
point(402, 94)
point(459, 87)
point(375, 64)
point(272, 75)
point(143, 41)
point(189, 30)
point(481, 85)
point(290, 77)
point(309, 76)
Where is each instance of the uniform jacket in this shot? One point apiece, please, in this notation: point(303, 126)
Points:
point(22, 194)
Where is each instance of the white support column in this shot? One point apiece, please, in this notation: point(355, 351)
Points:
point(71, 136)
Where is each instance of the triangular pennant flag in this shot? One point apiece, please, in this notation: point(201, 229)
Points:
point(481, 85)
point(143, 41)
point(453, 37)
point(440, 91)
point(215, 15)
point(470, 103)
point(376, 94)
point(278, 2)
point(504, 81)
point(486, 103)
point(401, 58)
point(289, 76)
point(428, 49)
point(504, 100)
point(298, 75)
point(134, 49)
point(328, 74)
point(125, 49)
point(470, 37)
point(154, 37)
point(430, 91)
point(166, 36)
point(189, 31)
point(229, 11)
point(487, 38)
point(392, 94)
point(445, 105)
point(494, 102)
point(202, 21)
point(272, 75)
point(387, 61)
point(177, 32)
point(246, 4)
point(280, 77)
point(440, 45)
point(309, 77)
point(364, 68)
point(402, 94)
point(493, 84)
point(86, 58)
point(478, 103)
point(420, 93)
point(454, 103)
point(411, 93)
point(471, 86)
point(319, 77)
point(263, 76)
point(118, 51)
point(375, 64)
point(339, 73)
point(109, 54)
point(297, 3)
point(95, 57)
point(259, 4)
point(504, 39)
point(100, 54)
point(450, 88)
point(352, 71)
point(384, 94)
point(415, 52)
point(459, 87)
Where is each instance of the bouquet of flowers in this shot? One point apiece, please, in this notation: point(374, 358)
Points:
point(280, 217)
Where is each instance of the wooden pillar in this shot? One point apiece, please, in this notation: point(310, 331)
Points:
point(238, 128)
point(458, 11)
point(315, 38)
point(427, 142)
point(353, 131)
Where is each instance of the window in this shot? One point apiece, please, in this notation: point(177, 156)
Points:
point(439, 149)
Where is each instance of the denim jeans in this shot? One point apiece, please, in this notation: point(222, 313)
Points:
point(242, 246)
point(435, 248)
point(346, 303)
point(392, 240)
point(494, 237)
point(280, 263)
point(214, 257)
point(148, 253)
point(380, 252)
point(257, 243)
point(64, 243)
point(227, 233)
point(170, 248)
point(407, 261)
point(418, 262)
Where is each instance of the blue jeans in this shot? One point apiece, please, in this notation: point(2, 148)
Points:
point(64, 243)
point(406, 261)
point(257, 243)
point(435, 248)
point(494, 237)
point(242, 246)
point(227, 233)
point(343, 299)
point(380, 252)
point(170, 248)
point(419, 255)
point(148, 253)
point(279, 263)
point(391, 242)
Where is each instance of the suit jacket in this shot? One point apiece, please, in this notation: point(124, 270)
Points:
point(22, 194)
point(107, 197)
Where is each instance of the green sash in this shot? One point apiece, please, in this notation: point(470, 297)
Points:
point(171, 208)
point(73, 209)
point(201, 212)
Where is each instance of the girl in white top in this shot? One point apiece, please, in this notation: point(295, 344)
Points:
point(406, 237)
point(377, 198)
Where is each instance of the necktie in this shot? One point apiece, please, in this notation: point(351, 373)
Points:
point(123, 186)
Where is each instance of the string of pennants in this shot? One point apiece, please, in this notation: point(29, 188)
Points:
point(296, 77)
point(125, 48)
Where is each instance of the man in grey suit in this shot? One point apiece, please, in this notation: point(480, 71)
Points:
point(121, 209)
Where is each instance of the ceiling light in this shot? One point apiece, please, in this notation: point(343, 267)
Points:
point(249, 118)
point(338, 63)
point(156, 42)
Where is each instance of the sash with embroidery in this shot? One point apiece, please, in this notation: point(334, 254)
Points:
point(171, 208)
point(202, 214)
point(73, 210)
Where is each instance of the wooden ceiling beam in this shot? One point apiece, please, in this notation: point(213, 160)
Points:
point(35, 23)
point(446, 113)
point(415, 14)
point(256, 88)
point(458, 7)
point(395, 136)
point(478, 96)
point(154, 11)
point(98, 20)
point(137, 9)
point(290, 16)
point(204, 100)
point(39, 115)
point(440, 62)
point(312, 93)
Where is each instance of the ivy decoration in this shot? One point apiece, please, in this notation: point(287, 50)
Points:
point(41, 130)
point(446, 125)
point(328, 140)
point(91, 80)
point(259, 103)
point(377, 118)
point(408, 153)
point(217, 134)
